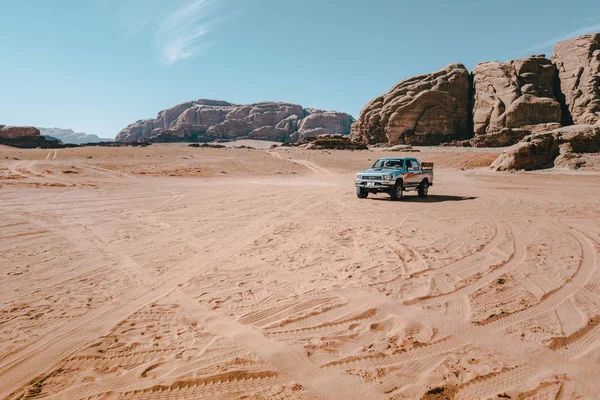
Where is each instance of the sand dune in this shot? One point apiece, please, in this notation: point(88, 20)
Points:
point(173, 272)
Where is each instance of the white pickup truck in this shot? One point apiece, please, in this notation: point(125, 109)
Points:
point(395, 175)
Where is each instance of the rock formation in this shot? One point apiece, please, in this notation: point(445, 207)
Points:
point(541, 150)
point(501, 104)
point(18, 132)
point(335, 142)
point(427, 110)
point(518, 94)
point(206, 120)
point(69, 136)
point(578, 64)
point(25, 137)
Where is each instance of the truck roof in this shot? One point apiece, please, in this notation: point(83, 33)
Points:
point(397, 158)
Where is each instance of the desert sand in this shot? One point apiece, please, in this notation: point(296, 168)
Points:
point(170, 272)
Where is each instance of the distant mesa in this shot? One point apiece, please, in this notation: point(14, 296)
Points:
point(26, 137)
point(69, 136)
point(209, 120)
point(29, 137)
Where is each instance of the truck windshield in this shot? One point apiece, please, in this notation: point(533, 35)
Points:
point(383, 163)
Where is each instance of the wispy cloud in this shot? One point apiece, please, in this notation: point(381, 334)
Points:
point(182, 33)
point(550, 43)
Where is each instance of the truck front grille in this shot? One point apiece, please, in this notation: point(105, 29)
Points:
point(372, 178)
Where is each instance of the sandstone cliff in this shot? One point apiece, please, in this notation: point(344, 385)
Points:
point(427, 110)
point(578, 63)
point(499, 105)
point(518, 94)
point(206, 120)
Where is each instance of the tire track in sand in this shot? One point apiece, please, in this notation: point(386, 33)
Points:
point(521, 241)
point(45, 354)
point(313, 167)
point(289, 359)
point(556, 297)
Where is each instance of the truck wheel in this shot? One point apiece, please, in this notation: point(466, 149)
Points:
point(397, 191)
point(423, 189)
point(362, 193)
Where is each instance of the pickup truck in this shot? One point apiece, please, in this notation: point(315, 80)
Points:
point(395, 175)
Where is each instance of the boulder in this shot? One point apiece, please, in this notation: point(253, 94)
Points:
point(205, 120)
point(541, 150)
point(513, 95)
point(578, 63)
point(426, 110)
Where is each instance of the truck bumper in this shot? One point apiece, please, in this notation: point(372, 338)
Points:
point(381, 186)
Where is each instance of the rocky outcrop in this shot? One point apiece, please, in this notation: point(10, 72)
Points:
point(18, 132)
point(426, 110)
point(578, 64)
point(207, 120)
point(504, 137)
point(25, 137)
point(335, 142)
point(500, 104)
point(517, 94)
point(331, 120)
point(541, 150)
point(69, 136)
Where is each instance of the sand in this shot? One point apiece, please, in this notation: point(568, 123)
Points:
point(175, 272)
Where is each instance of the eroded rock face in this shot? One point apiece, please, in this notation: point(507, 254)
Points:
point(17, 132)
point(517, 94)
point(206, 120)
point(269, 133)
point(578, 64)
point(540, 150)
point(427, 110)
point(336, 122)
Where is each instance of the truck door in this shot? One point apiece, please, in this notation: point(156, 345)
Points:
point(418, 172)
point(411, 176)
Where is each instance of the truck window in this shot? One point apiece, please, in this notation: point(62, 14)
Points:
point(395, 164)
point(416, 164)
point(386, 163)
point(408, 164)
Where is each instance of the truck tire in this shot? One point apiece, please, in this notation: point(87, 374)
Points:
point(424, 188)
point(397, 191)
point(362, 193)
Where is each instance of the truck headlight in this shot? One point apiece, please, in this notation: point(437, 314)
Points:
point(388, 177)
point(358, 176)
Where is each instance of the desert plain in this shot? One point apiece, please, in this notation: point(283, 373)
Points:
point(171, 272)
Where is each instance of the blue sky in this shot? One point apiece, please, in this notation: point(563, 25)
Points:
point(98, 65)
